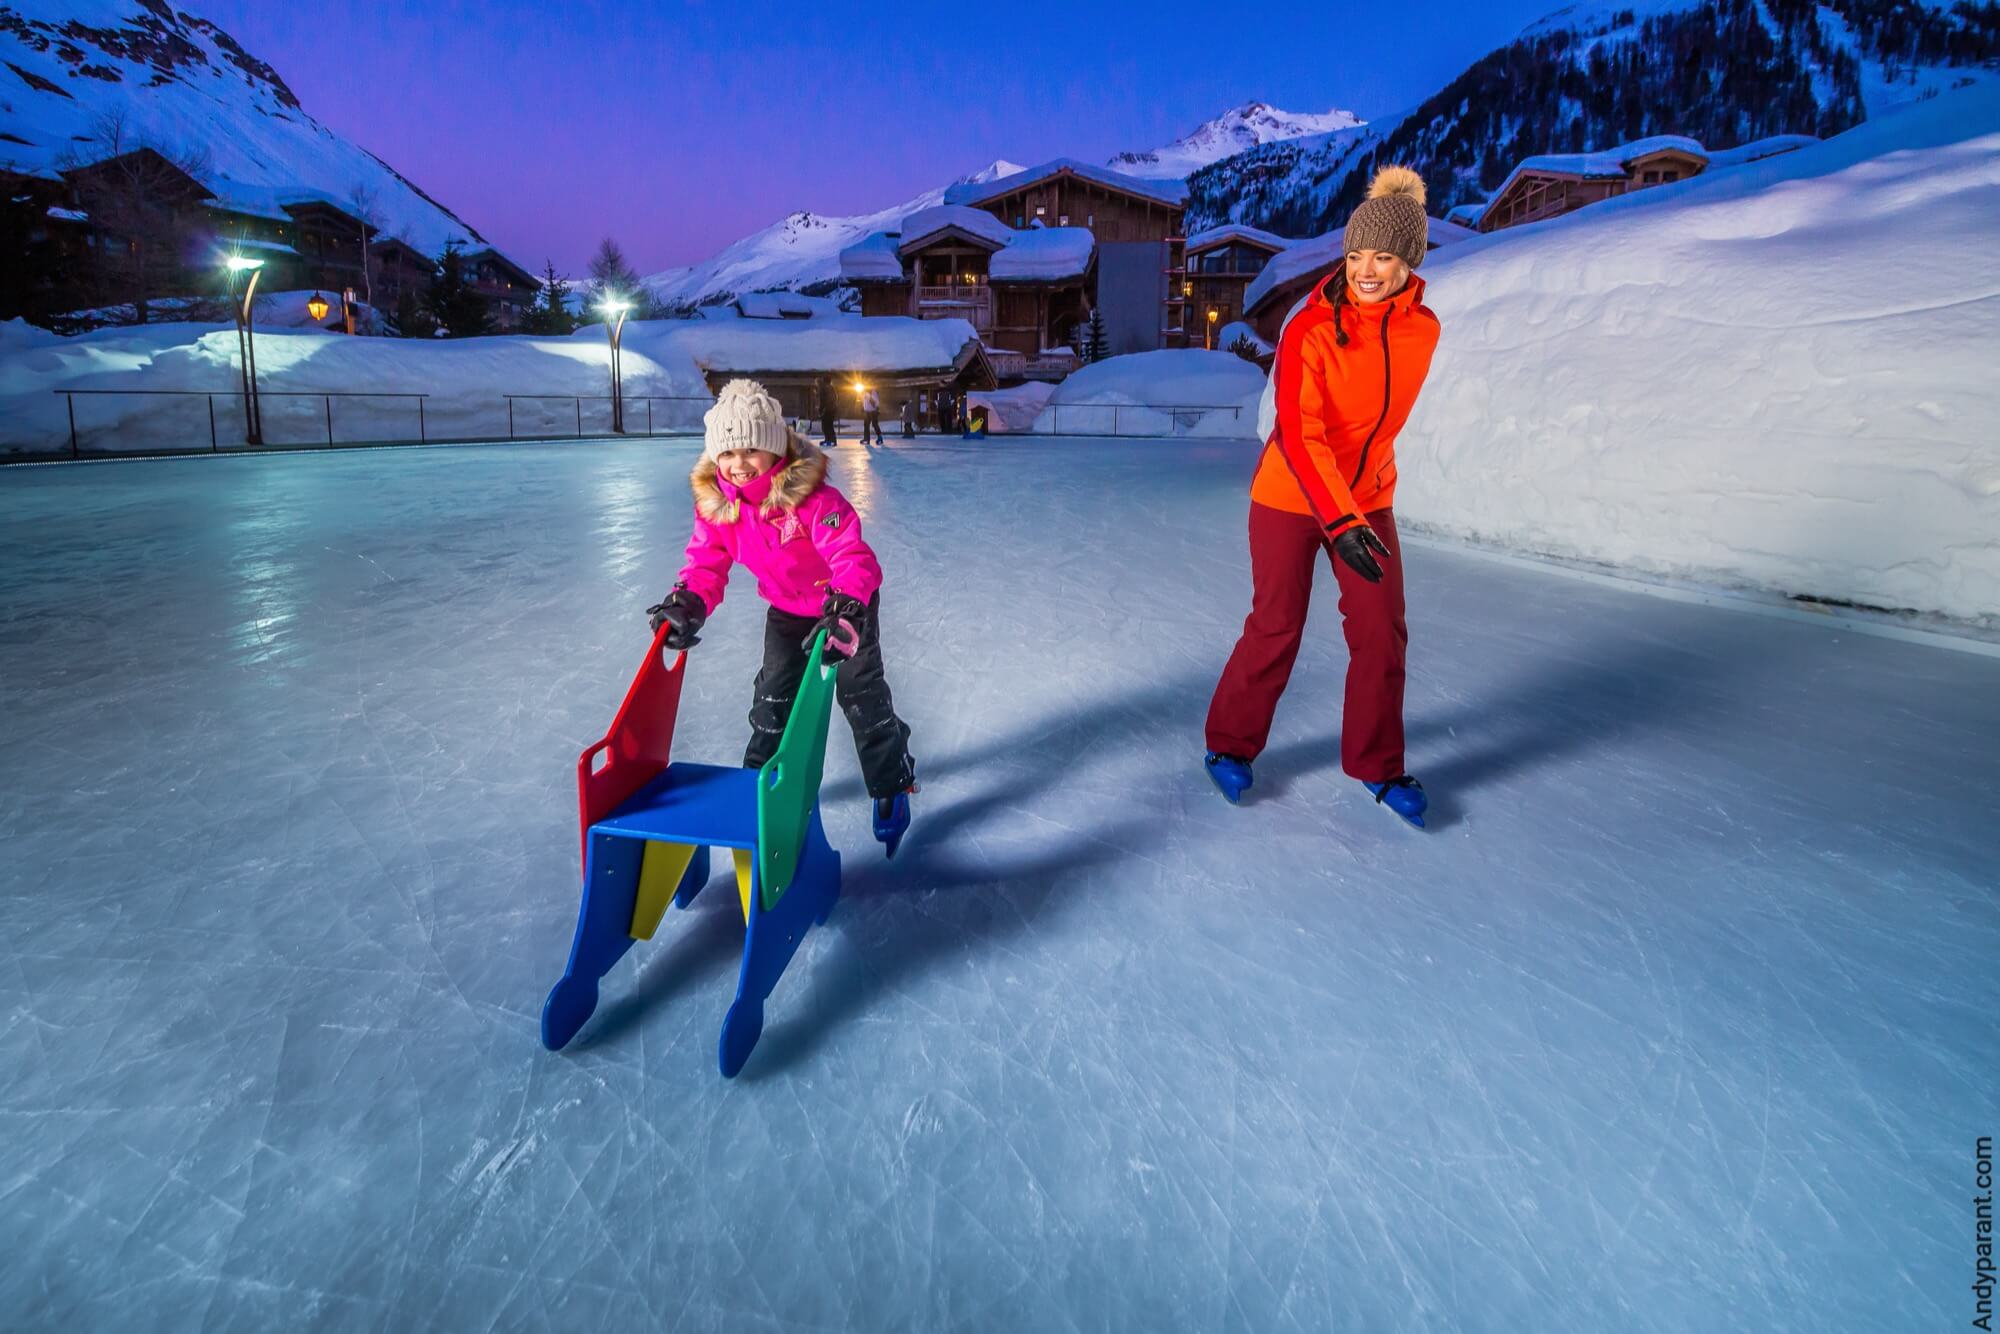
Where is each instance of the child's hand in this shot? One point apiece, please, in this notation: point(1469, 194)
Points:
point(683, 613)
point(841, 617)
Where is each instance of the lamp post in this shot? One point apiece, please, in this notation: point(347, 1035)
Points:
point(614, 328)
point(1187, 294)
point(246, 346)
point(1213, 316)
point(347, 308)
point(316, 307)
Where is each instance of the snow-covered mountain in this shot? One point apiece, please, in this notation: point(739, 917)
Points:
point(1234, 131)
point(183, 86)
point(798, 251)
point(1597, 74)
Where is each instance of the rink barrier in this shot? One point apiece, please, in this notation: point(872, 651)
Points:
point(580, 399)
point(1182, 417)
point(214, 443)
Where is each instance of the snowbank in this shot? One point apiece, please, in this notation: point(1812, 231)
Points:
point(1013, 410)
point(1719, 378)
point(1178, 391)
point(467, 380)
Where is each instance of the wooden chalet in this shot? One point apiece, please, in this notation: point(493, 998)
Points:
point(1552, 184)
point(1222, 262)
point(1027, 259)
point(508, 288)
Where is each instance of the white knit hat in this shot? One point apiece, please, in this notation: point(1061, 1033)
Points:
point(745, 416)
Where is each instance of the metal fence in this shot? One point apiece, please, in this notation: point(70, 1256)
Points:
point(1154, 419)
point(326, 421)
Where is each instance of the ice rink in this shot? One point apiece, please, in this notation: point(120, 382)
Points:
point(1683, 1016)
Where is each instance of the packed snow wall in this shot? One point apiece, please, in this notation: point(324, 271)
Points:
point(1778, 376)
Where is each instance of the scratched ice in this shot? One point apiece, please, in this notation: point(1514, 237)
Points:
point(1681, 1018)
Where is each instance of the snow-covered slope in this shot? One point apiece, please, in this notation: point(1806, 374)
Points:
point(1598, 74)
point(1232, 132)
point(1718, 379)
point(183, 86)
point(798, 251)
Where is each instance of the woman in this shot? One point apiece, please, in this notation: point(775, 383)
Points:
point(1349, 364)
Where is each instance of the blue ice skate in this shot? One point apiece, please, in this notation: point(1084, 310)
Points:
point(892, 821)
point(1404, 795)
point(1229, 774)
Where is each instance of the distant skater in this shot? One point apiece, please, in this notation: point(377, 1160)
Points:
point(871, 415)
point(909, 418)
point(1349, 365)
point(828, 437)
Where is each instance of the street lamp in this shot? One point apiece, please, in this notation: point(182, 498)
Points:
point(317, 307)
point(1213, 316)
point(614, 327)
point(246, 346)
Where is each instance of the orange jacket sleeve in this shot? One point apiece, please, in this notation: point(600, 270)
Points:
point(1303, 408)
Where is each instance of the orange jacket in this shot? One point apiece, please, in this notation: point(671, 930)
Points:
point(1333, 454)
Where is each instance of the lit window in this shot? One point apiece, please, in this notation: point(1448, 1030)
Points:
point(1063, 220)
point(1040, 211)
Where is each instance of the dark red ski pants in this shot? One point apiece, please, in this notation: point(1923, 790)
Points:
point(1284, 551)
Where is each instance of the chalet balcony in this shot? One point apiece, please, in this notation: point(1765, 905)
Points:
point(956, 302)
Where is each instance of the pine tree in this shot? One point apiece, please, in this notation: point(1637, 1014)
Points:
point(1094, 343)
point(413, 320)
point(612, 277)
point(452, 301)
point(551, 313)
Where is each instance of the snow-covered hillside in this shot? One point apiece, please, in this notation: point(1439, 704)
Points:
point(1720, 379)
point(183, 86)
point(798, 251)
point(1232, 132)
point(1724, 72)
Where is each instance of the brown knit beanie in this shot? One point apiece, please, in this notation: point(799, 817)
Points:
point(1392, 218)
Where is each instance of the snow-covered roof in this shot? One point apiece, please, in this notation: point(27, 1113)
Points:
point(1443, 231)
point(1466, 215)
point(61, 214)
point(1166, 192)
point(1295, 261)
point(784, 306)
point(827, 343)
point(1236, 231)
point(1044, 254)
point(258, 243)
point(1608, 165)
point(873, 258)
point(1759, 149)
point(925, 223)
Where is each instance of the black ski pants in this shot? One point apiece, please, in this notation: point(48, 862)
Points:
point(881, 739)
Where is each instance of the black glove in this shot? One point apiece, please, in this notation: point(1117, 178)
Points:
point(1359, 546)
point(841, 617)
point(683, 613)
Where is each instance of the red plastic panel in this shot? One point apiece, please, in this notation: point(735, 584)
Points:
point(639, 743)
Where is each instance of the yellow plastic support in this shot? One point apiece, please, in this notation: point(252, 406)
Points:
point(660, 872)
point(743, 863)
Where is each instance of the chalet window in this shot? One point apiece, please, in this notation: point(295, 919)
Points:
point(1650, 178)
point(1670, 176)
point(1063, 220)
point(1041, 210)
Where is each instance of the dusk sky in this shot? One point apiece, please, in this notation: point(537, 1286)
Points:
point(678, 128)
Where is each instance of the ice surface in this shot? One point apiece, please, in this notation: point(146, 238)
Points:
point(1681, 1018)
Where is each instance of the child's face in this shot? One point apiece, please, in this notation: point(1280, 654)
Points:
point(743, 466)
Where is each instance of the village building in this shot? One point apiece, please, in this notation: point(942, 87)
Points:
point(1027, 259)
point(104, 225)
point(1549, 185)
point(1222, 262)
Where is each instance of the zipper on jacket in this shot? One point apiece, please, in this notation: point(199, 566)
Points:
point(1369, 443)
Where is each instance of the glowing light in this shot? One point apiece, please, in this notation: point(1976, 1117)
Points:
point(237, 264)
point(317, 307)
point(611, 306)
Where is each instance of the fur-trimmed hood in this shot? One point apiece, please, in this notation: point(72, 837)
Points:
point(785, 487)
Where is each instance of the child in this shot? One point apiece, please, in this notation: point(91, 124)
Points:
point(761, 498)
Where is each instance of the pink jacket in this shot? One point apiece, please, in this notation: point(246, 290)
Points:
point(798, 535)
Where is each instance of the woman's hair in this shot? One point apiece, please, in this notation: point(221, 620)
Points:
point(1339, 300)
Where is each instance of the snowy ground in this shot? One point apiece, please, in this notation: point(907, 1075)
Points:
point(1681, 1018)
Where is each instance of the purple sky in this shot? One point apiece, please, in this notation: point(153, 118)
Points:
point(680, 127)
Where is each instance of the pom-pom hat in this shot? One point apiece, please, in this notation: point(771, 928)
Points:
point(745, 416)
point(1392, 218)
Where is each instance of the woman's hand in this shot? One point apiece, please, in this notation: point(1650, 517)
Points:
point(1359, 546)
